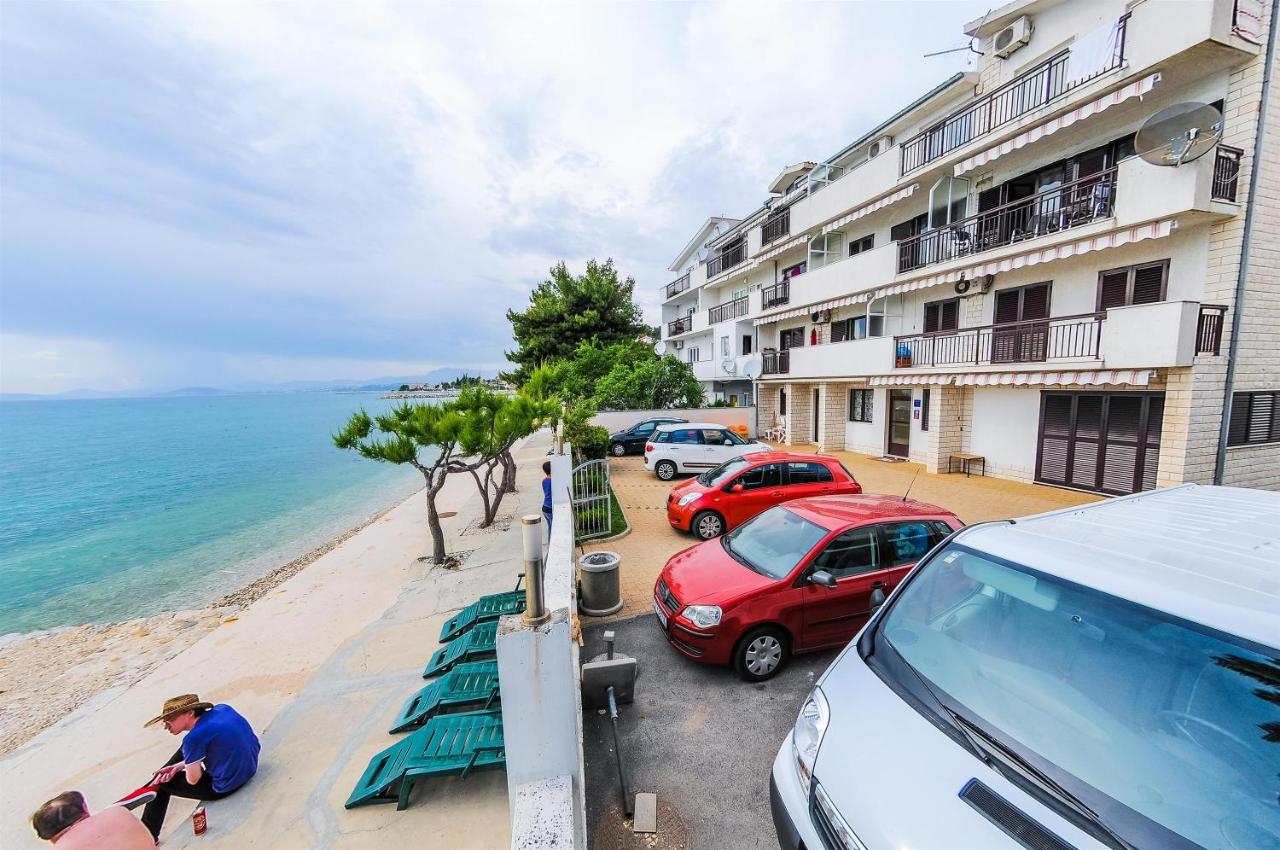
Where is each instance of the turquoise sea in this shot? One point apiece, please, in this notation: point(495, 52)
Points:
point(120, 508)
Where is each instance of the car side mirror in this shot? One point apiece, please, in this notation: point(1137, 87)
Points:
point(823, 578)
point(877, 596)
point(736, 488)
point(728, 442)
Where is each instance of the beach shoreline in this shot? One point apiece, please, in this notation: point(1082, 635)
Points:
point(47, 674)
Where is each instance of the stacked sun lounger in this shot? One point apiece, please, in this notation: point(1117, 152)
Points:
point(456, 718)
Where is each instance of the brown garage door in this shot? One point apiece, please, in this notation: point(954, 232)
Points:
point(1109, 442)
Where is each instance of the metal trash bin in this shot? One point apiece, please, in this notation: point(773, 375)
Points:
point(600, 594)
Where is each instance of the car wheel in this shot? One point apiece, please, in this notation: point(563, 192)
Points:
point(761, 654)
point(707, 525)
point(666, 470)
point(618, 449)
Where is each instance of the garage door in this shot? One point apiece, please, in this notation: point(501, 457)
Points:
point(1108, 442)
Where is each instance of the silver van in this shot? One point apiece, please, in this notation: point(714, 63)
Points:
point(1099, 677)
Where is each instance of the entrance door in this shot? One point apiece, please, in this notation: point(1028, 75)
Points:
point(900, 422)
point(1108, 442)
point(1019, 336)
point(815, 415)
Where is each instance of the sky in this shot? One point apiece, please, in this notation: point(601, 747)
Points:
point(217, 193)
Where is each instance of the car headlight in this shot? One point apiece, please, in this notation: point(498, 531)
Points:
point(845, 835)
point(702, 616)
point(689, 498)
point(811, 725)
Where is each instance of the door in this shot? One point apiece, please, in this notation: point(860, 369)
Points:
point(900, 423)
point(686, 449)
point(715, 452)
point(808, 478)
point(761, 488)
point(815, 416)
point(831, 615)
point(1106, 442)
point(1020, 335)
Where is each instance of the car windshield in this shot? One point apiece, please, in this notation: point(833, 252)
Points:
point(722, 473)
point(773, 542)
point(1169, 731)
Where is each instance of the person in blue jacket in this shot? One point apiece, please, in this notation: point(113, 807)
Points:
point(546, 495)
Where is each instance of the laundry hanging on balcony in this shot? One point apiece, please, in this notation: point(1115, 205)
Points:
point(1248, 20)
point(870, 208)
point(1094, 52)
point(1138, 88)
point(1114, 239)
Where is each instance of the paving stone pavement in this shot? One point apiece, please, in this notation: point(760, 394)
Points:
point(652, 541)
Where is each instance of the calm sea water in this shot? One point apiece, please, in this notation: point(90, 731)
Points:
point(120, 508)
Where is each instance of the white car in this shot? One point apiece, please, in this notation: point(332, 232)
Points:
point(694, 447)
point(1098, 677)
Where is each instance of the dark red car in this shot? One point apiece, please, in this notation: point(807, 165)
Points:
point(723, 498)
point(798, 577)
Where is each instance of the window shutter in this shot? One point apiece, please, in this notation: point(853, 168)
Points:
point(1238, 431)
point(924, 409)
point(931, 312)
point(950, 318)
point(1260, 410)
point(1006, 306)
point(1055, 436)
point(1035, 302)
point(1148, 284)
point(840, 330)
point(1113, 289)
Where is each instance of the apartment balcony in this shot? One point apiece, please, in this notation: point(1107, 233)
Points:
point(1161, 335)
point(734, 309)
point(735, 256)
point(776, 362)
point(776, 226)
point(1064, 338)
point(1199, 40)
point(675, 287)
point(851, 358)
point(686, 325)
point(777, 295)
point(854, 188)
point(704, 370)
point(1226, 173)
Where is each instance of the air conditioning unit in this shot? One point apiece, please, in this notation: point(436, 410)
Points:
point(1012, 37)
point(820, 317)
point(678, 344)
point(879, 146)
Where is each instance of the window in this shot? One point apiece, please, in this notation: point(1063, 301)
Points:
point(808, 473)
point(792, 271)
point(854, 552)
point(746, 343)
point(1141, 284)
point(695, 354)
point(791, 338)
point(662, 437)
point(908, 542)
point(644, 429)
point(782, 402)
point(942, 315)
point(769, 475)
point(866, 243)
point(686, 436)
point(910, 227)
point(924, 409)
point(721, 436)
point(856, 328)
point(1255, 418)
point(860, 405)
point(724, 346)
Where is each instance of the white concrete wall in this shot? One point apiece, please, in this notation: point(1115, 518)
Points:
point(1146, 335)
point(1004, 429)
point(868, 437)
point(617, 420)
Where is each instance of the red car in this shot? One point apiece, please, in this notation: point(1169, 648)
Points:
point(798, 577)
point(723, 498)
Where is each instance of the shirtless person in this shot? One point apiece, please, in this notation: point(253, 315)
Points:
point(66, 822)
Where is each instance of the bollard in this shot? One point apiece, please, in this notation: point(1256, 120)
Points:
point(535, 609)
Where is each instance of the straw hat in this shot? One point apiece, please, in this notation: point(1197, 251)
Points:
point(176, 706)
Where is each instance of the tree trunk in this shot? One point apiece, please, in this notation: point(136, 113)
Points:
point(508, 472)
point(483, 487)
point(433, 516)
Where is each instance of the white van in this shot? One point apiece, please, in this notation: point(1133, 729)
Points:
point(1100, 677)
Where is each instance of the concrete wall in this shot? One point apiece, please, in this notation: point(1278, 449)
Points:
point(1004, 430)
point(618, 420)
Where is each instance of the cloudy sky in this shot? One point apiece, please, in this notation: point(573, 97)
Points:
point(214, 193)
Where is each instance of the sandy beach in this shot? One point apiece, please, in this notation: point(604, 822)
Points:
point(74, 700)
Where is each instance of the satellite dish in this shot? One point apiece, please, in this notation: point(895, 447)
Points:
point(660, 347)
point(752, 368)
point(1180, 133)
point(728, 366)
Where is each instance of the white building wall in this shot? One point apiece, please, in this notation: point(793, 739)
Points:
point(1005, 421)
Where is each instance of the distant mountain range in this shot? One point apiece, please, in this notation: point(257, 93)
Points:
point(379, 384)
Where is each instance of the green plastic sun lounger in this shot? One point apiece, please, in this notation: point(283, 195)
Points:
point(449, 744)
point(467, 687)
point(479, 644)
point(483, 610)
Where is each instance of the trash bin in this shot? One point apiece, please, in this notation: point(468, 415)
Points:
point(599, 593)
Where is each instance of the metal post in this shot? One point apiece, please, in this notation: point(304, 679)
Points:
point(535, 609)
point(608, 642)
point(617, 751)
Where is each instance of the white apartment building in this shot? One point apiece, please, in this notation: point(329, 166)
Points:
point(993, 271)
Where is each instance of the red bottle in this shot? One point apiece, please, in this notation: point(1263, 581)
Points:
point(199, 821)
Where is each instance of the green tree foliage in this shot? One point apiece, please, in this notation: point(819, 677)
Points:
point(652, 383)
point(588, 441)
point(492, 424)
point(405, 435)
point(568, 309)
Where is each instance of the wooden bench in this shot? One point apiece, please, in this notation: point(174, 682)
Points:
point(966, 460)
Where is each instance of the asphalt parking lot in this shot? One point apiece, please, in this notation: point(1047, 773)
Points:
point(698, 736)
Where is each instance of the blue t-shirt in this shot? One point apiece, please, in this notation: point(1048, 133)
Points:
point(546, 494)
point(226, 743)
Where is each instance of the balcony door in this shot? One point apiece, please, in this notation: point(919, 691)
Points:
point(1105, 442)
point(900, 423)
point(1020, 335)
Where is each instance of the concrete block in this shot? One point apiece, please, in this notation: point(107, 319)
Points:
point(597, 676)
point(646, 819)
point(542, 814)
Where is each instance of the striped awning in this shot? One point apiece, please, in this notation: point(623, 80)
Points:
point(1097, 377)
point(1248, 20)
point(1135, 89)
point(1114, 239)
point(870, 208)
point(909, 380)
point(843, 301)
point(775, 251)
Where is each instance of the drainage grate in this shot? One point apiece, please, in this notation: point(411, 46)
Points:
point(1013, 822)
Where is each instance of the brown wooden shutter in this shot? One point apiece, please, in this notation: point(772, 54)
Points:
point(950, 318)
point(1006, 306)
point(1087, 441)
point(1120, 466)
point(1035, 302)
point(1238, 432)
point(1148, 284)
point(1151, 457)
point(931, 313)
point(1055, 438)
point(1261, 410)
point(840, 330)
point(1113, 289)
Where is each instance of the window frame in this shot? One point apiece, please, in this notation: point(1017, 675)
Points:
point(1132, 271)
point(862, 244)
point(787, 464)
point(936, 536)
point(866, 408)
point(872, 533)
point(1241, 425)
point(940, 305)
point(756, 469)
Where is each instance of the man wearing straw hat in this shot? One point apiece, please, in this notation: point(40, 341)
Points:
point(218, 756)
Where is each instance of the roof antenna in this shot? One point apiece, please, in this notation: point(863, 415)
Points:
point(912, 484)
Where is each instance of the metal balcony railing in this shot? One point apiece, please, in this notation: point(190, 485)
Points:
point(777, 226)
point(680, 326)
point(1226, 173)
point(726, 260)
point(776, 362)
point(730, 310)
point(776, 295)
point(1209, 328)
point(1059, 208)
point(1026, 92)
point(678, 285)
point(1035, 341)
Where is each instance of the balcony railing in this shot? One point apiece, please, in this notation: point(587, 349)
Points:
point(776, 295)
point(1060, 208)
point(1029, 91)
point(776, 362)
point(1064, 337)
point(1226, 173)
point(727, 260)
point(1209, 328)
point(777, 226)
point(731, 310)
point(680, 326)
point(678, 285)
